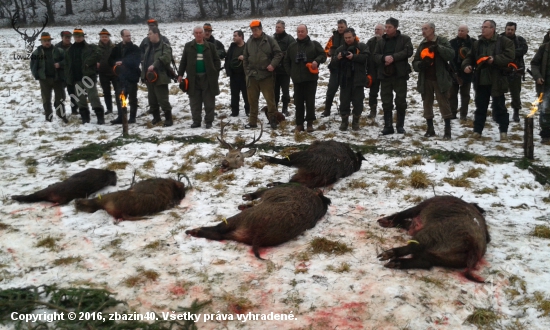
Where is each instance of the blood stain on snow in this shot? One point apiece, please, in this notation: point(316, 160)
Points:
point(177, 290)
point(342, 317)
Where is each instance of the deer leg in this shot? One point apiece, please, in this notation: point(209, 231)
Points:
point(273, 160)
point(421, 261)
point(217, 233)
point(254, 195)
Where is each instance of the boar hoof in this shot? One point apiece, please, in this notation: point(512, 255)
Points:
point(385, 222)
point(193, 232)
point(393, 264)
point(386, 255)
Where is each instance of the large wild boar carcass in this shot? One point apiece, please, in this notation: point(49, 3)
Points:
point(447, 232)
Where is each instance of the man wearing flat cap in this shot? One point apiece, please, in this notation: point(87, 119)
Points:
point(81, 70)
point(106, 73)
point(64, 44)
point(47, 68)
point(261, 56)
point(145, 42)
point(220, 49)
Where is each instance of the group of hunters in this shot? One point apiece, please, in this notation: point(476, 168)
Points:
point(493, 63)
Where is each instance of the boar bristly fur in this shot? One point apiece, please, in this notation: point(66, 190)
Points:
point(322, 164)
point(447, 232)
point(284, 212)
point(79, 185)
point(144, 198)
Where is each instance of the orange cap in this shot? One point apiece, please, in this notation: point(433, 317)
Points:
point(255, 23)
point(482, 59)
point(512, 65)
point(316, 71)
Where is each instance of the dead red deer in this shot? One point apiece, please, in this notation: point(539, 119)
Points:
point(235, 157)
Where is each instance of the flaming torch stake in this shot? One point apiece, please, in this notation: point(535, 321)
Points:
point(528, 145)
point(124, 103)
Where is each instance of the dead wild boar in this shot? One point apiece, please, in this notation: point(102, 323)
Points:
point(322, 164)
point(446, 231)
point(79, 185)
point(284, 212)
point(235, 158)
point(144, 198)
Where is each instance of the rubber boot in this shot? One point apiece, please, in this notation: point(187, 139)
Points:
point(60, 112)
point(133, 113)
point(355, 123)
point(463, 113)
point(84, 115)
point(447, 135)
point(118, 119)
point(168, 118)
point(156, 116)
point(516, 115)
point(372, 113)
point(388, 125)
point(400, 122)
point(430, 131)
point(100, 114)
point(345, 123)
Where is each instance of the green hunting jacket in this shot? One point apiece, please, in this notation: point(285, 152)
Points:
point(491, 74)
point(259, 54)
point(298, 71)
point(284, 40)
point(38, 63)
point(443, 54)
point(212, 65)
point(403, 50)
point(540, 65)
point(91, 54)
point(359, 61)
point(162, 58)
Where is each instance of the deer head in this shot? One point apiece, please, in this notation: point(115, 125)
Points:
point(29, 40)
point(235, 158)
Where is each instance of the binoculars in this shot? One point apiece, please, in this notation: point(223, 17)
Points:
point(301, 57)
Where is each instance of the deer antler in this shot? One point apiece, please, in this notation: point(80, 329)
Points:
point(222, 141)
point(35, 34)
point(16, 28)
point(256, 140)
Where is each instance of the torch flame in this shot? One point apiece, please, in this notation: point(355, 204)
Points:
point(534, 106)
point(123, 100)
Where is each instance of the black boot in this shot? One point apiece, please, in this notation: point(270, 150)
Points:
point(355, 123)
point(156, 116)
point(345, 123)
point(326, 113)
point(109, 111)
point(99, 112)
point(60, 111)
point(168, 118)
point(133, 113)
point(117, 120)
point(400, 122)
point(430, 131)
point(447, 135)
point(388, 125)
point(285, 108)
point(84, 115)
point(516, 115)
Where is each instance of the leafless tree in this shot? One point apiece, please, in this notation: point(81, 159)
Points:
point(201, 8)
point(49, 4)
point(122, 16)
point(69, 7)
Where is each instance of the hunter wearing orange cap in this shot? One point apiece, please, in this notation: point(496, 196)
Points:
point(106, 74)
point(489, 82)
point(145, 42)
point(430, 61)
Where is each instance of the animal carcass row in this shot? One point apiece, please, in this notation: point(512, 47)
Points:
point(144, 198)
point(447, 232)
point(80, 185)
point(322, 164)
point(284, 212)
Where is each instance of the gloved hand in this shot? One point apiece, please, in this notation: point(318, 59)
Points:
point(425, 63)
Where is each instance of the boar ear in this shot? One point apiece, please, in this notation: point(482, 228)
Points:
point(249, 153)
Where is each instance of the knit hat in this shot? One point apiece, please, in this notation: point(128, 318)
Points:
point(207, 27)
point(152, 21)
point(45, 36)
point(66, 33)
point(104, 32)
point(255, 23)
point(78, 32)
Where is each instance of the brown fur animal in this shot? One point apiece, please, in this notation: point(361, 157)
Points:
point(80, 185)
point(447, 232)
point(322, 164)
point(144, 198)
point(235, 157)
point(284, 212)
point(279, 116)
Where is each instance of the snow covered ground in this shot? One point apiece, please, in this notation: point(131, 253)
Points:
point(362, 295)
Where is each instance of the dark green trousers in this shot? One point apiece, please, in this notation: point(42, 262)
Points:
point(47, 86)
